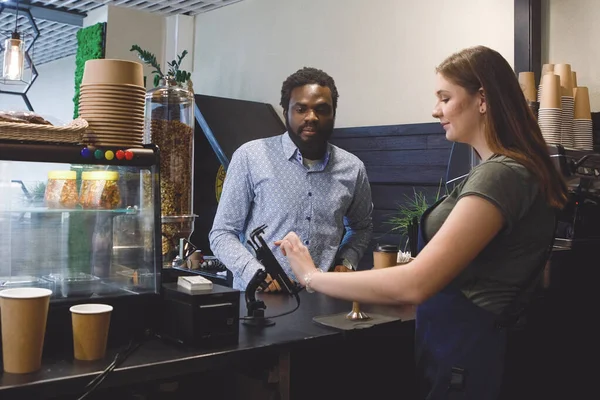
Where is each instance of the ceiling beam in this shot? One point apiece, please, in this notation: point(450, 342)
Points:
point(46, 13)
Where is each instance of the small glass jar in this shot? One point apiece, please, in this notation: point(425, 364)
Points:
point(100, 190)
point(61, 189)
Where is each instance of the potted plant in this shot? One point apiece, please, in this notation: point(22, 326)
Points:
point(180, 76)
point(405, 220)
point(173, 82)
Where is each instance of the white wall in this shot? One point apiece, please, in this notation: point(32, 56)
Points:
point(179, 36)
point(126, 27)
point(51, 95)
point(570, 36)
point(98, 15)
point(381, 53)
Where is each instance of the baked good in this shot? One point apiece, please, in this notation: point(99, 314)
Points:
point(23, 118)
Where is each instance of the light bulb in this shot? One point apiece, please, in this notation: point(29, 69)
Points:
point(13, 59)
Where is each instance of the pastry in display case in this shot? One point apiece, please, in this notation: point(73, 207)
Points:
point(83, 222)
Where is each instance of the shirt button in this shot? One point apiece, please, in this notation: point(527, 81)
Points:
point(310, 193)
point(306, 242)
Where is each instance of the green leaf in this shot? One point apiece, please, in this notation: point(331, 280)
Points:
point(181, 57)
point(156, 80)
point(412, 207)
point(147, 58)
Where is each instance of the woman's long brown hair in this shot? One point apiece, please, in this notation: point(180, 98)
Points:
point(511, 128)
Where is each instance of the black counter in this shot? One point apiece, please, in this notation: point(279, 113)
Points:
point(341, 356)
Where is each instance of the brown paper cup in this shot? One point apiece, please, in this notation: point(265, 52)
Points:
point(113, 72)
point(24, 312)
point(551, 91)
point(527, 82)
point(566, 78)
point(547, 68)
point(382, 259)
point(582, 103)
point(91, 323)
point(574, 80)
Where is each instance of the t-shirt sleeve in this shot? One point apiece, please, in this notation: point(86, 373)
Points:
point(511, 188)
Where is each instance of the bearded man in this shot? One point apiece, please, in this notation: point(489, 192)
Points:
point(299, 182)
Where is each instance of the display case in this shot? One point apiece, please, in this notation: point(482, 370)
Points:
point(85, 223)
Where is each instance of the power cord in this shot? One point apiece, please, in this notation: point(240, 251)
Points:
point(121, 356)
point(296, 296)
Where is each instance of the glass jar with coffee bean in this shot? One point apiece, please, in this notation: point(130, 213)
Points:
point(170, 126)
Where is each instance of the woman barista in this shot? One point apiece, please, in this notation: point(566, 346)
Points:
point(484, 241)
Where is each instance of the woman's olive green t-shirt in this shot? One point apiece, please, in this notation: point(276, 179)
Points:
point(494, 277)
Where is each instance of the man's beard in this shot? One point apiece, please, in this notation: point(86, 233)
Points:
point(315, 147)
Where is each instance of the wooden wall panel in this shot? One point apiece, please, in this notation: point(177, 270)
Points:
point(399, 160)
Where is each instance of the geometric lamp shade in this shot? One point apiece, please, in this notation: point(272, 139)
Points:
point(18, 72)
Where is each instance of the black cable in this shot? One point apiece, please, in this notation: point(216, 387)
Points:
point(17, 17)
point(118, 360)
point(278, 315)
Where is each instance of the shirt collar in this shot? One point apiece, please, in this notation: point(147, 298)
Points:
point(290, 150)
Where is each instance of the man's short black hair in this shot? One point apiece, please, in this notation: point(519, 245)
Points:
point(307, 76)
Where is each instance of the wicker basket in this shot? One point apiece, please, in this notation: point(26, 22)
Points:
point(70, 133)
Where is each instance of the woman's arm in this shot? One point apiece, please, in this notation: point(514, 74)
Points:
point(471, 225)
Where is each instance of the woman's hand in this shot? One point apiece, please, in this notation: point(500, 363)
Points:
point(297, 254)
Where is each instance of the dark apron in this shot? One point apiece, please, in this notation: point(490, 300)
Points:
point(459, 348)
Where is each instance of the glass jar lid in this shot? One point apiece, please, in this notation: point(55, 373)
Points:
point(100, 175)
point(62, 175)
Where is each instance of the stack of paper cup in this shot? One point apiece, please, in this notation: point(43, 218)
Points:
point(549, 114)
point(112, 101)
point(527, 83)
point(546, 69)
point(567, 104)
point(583, 138)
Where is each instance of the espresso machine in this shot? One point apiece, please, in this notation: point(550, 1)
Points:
point(561, 319)
point(577, 238)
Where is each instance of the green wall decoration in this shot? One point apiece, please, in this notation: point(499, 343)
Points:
point(91, 43)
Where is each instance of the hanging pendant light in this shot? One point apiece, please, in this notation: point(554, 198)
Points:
point(14, 54)
point(14, 57)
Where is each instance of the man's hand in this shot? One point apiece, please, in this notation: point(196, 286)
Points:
point(341, 268)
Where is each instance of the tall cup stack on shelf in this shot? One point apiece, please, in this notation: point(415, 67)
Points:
point(564, 113)
point(549, 114)
point(112, 101)
point(527, 83)
point(546, 69)
point(567, 103)
point(583, 137)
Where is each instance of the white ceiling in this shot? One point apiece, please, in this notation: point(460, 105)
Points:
point(58, 39)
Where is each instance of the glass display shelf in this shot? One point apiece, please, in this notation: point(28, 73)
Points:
point(21, 210)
